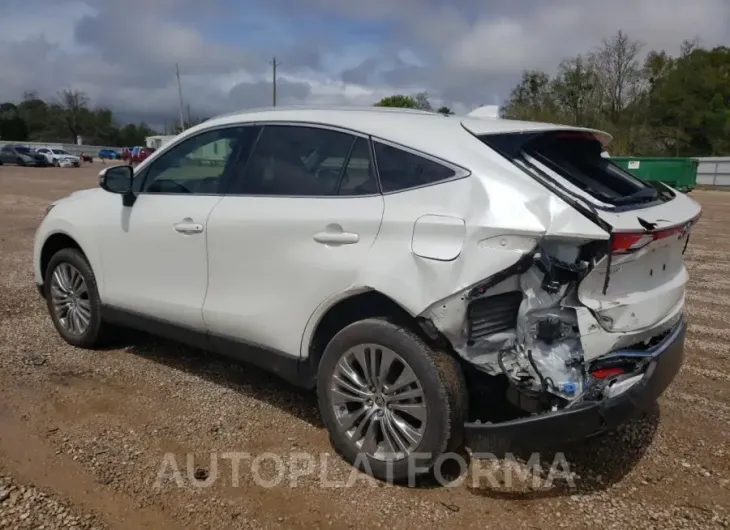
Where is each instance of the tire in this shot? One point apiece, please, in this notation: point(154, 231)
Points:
point(20, 162)
point(444, 396)
point(95, 333)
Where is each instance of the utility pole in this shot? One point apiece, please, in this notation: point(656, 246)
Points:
point(179, 92)
point(274, 63)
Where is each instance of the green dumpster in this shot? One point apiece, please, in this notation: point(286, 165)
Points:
point(679, 173)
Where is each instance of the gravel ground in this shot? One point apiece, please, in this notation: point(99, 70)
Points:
point(27, 507)
point(147, 434)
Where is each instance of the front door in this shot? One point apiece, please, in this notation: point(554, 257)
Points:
point(154, 253)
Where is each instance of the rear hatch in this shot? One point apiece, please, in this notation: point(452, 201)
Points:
point(639, 281)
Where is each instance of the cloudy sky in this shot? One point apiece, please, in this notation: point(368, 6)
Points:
point(464, 53)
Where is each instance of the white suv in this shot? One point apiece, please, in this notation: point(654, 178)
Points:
point(396, 261)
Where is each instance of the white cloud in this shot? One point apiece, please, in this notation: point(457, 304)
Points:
point(462, 52)
point(541, 37)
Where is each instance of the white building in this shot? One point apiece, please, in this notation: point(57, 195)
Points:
point(158, 141)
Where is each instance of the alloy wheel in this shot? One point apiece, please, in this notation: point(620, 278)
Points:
point(378, 402)
point(70, 298)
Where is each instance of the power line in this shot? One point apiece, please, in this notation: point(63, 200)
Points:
point(179, 91)
point(274, 63)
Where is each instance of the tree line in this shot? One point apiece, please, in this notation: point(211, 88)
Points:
point(418, 101)
point(653, 104)
point(64, 118)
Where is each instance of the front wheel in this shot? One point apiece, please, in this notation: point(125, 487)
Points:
point(73, 299)
point(392, 405)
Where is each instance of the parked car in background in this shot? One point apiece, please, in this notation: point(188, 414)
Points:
point(23, 156)
point(59, 157)
point(109, 154)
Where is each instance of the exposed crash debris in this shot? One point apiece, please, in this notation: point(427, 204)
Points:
point(522, 324)
point(528, 324)
point(546, 355)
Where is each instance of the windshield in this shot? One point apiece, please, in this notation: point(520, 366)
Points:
point(24, 150)
point(59, 152)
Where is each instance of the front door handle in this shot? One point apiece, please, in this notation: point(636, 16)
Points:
point(188, 226)
point(336, 238)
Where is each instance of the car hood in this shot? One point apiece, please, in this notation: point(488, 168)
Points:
point(80, 194)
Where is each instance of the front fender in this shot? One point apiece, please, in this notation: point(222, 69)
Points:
point(68, 217)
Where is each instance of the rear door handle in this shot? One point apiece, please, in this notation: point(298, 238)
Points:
point(188, 226)
point(336, 238)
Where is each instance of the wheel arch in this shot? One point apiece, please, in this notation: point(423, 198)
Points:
point(349, 307)
point(53, 243)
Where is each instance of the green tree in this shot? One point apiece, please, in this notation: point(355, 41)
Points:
point(532, 98)
point(665, 106)
point(63, 119)
point(398, 100)
point(422, 101)
point(693, 99)
point(12, 125)
point(75, 112)
point(574, 90)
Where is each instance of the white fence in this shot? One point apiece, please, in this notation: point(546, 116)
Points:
point(714, 171)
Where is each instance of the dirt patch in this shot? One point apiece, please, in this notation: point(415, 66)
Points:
point(103, 433)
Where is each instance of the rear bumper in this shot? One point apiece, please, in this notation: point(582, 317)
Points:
point(588, 418)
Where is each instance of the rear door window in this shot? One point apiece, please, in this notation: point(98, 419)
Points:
point(301, 161)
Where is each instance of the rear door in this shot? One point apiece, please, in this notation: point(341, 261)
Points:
point(295, 230)
point(642, 280)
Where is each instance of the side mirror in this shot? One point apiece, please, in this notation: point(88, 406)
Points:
point(118, 179)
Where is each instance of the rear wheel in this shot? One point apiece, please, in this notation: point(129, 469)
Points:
point(73, 299)
point(393, 406)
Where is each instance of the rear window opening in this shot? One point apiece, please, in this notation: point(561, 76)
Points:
point(576, 157)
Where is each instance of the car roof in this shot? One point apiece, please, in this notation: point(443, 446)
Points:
point(428, 131)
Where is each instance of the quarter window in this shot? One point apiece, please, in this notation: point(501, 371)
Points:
point(196, 165)
point(399, 169)
point(297, 161)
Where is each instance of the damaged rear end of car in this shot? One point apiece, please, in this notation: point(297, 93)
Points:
point(584, 327)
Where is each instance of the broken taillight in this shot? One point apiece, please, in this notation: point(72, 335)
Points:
point(625, 242)
point(604, 373)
